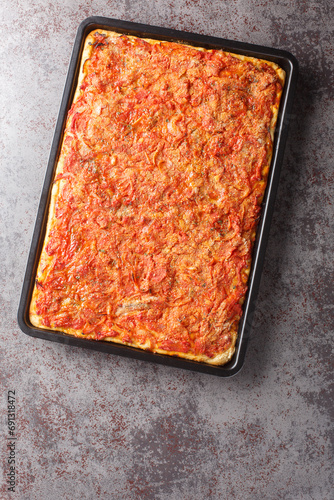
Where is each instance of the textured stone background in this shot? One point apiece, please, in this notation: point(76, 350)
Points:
point(92, 425)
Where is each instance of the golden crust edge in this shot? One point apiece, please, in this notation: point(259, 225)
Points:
point(217, 360)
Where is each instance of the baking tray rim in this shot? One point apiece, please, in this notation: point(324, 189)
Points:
point(289, 63)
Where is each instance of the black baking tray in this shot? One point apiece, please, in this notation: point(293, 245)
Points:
point(286, 61)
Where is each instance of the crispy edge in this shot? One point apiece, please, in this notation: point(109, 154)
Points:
point(45, 261)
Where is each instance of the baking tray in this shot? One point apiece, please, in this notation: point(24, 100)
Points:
point(284, 59)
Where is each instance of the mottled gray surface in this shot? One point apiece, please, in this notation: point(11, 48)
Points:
point(93, 425)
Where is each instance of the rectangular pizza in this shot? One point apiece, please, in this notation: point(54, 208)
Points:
point(156, 196)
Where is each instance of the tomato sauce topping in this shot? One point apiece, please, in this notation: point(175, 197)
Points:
point(166, 156)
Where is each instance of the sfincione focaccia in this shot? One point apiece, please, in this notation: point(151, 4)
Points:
point(157, 195)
